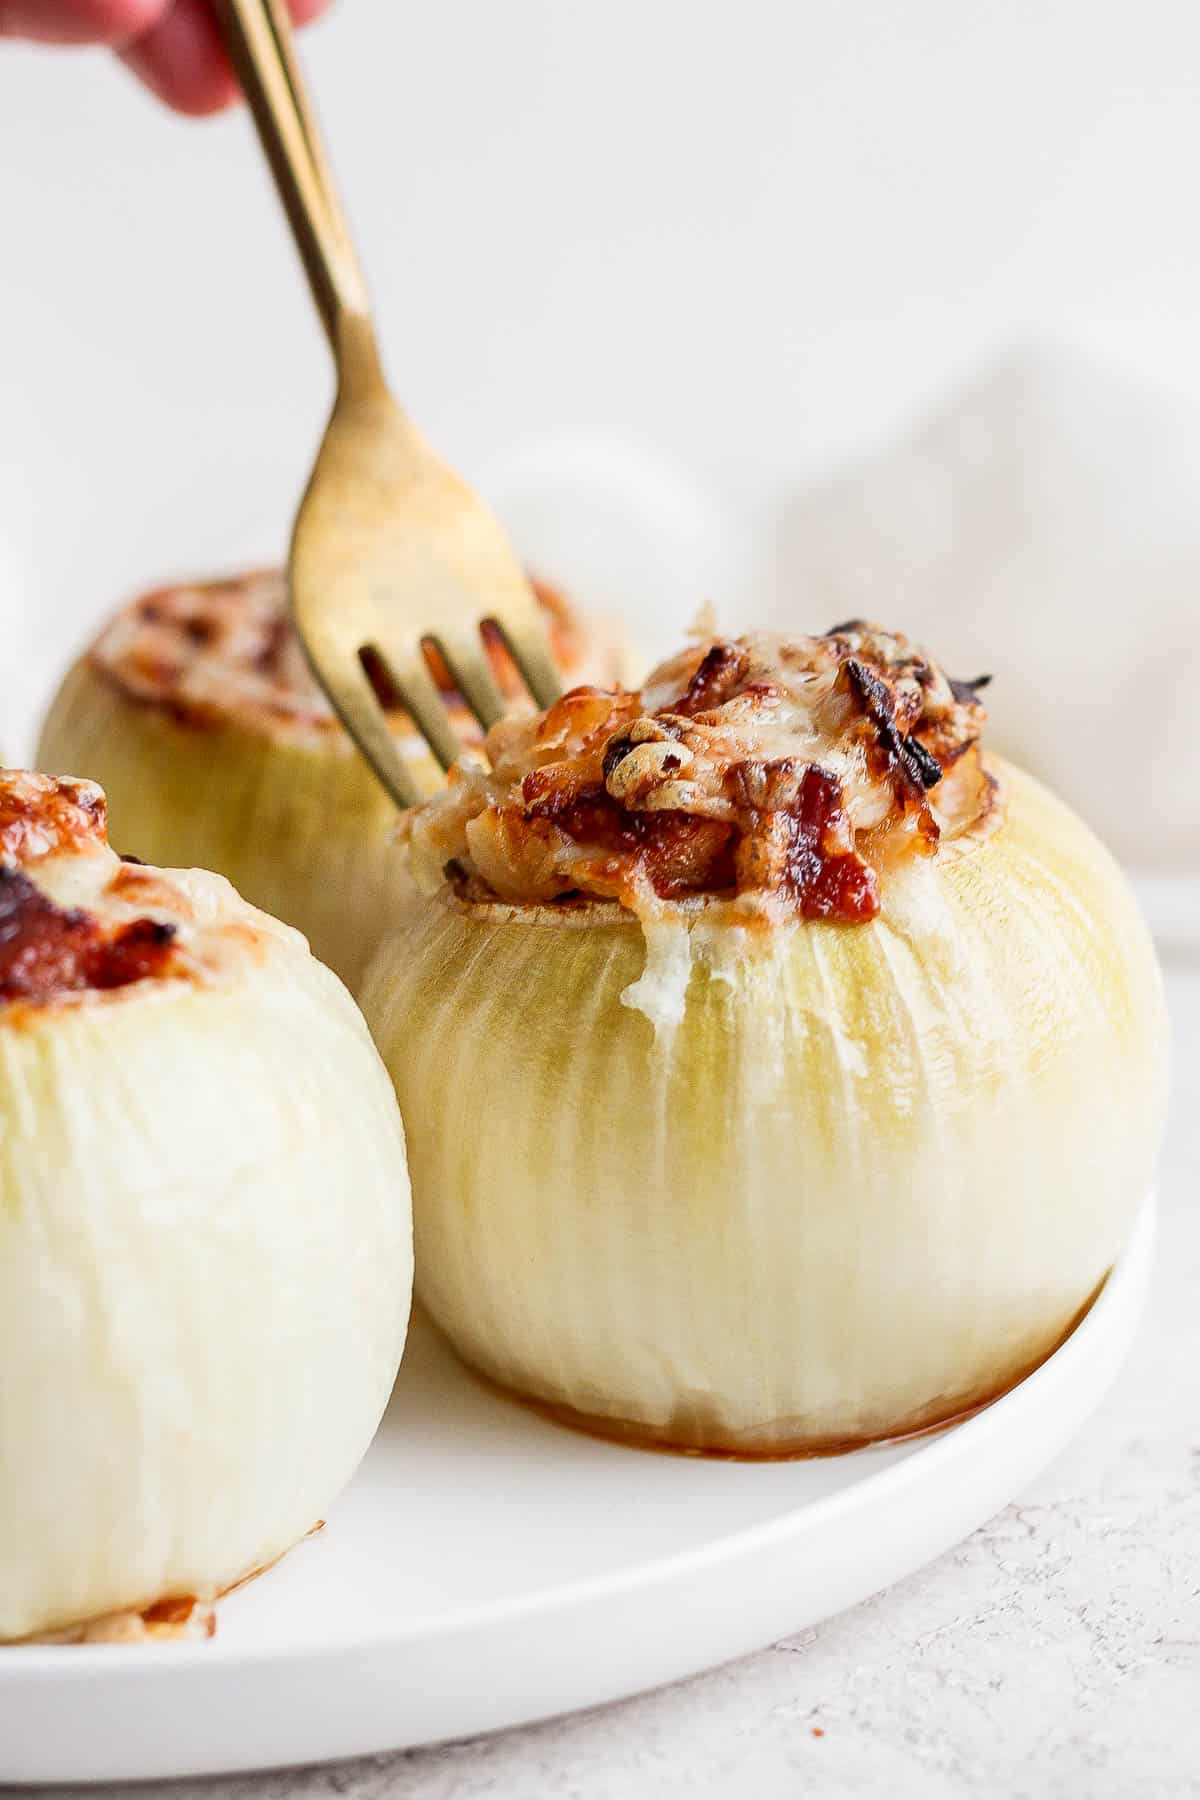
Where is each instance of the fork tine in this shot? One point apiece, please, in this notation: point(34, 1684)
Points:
point(364, 718)
point(419, 695)
point(529, 647)
point(467, 660)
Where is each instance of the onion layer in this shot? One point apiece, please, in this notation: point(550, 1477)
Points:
point(205, 1271)
point(784, 1191)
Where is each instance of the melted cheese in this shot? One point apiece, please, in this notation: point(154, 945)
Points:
point(212, 652)
point(780, 774)
point(64, 885)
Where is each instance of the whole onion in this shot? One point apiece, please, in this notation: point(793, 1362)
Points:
point(776, 1168)
point(205, 1233)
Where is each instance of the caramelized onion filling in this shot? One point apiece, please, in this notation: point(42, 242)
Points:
point(40, 815)
point(788, 775)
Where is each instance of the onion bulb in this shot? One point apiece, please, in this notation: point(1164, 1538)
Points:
point(205, 1233)
point(195, 711)
point(780, 1073)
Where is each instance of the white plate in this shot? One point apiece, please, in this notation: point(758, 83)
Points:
point(487, 1567)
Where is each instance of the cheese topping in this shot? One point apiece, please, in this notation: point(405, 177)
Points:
point(786, 775)
point(215, 651)
point(76, 920)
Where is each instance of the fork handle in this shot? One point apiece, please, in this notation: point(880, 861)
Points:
point(258, 38)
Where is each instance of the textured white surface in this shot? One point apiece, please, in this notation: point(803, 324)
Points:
point(1055, 1653)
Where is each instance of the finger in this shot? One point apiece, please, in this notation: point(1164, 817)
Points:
point(181, 60)
point(80, 21)
point(181, 57)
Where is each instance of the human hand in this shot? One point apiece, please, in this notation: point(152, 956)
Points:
point(171, 45)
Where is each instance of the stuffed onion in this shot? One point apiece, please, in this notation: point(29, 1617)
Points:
point(205, 1234)
point(781, 1072)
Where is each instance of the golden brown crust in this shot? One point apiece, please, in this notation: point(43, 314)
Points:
point(47, 950)
point(787, 775)
point(76, 921)
point(210, 653)
point(40, 815)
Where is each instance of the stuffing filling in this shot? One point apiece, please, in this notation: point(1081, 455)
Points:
point(784, 774)
point(208, 652)
point(75, 919)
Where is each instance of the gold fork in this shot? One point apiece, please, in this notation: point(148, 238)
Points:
point(391, 551)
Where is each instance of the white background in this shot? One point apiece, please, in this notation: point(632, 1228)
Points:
point(746, 238)
point(642, 268)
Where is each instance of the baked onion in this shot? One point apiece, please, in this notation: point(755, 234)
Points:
point(780, 1072)
point(196, 712)
point(205, 1233)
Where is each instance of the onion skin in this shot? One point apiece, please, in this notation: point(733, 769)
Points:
point(869, 1179)
point(205, 1274)
point(297, 821)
